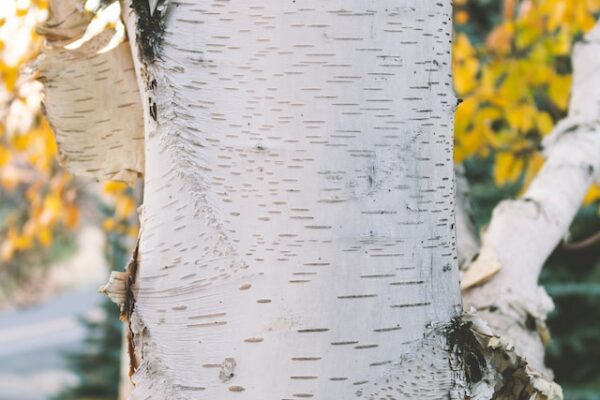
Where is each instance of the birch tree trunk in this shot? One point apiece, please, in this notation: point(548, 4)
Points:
point(297, 232)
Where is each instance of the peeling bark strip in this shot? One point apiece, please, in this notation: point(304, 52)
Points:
point(524, 232)
point(91, 99)
point(120, 289)
point(493, 368)
point(298, 178)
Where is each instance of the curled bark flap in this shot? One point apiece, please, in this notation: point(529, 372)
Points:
point(67, 21)
point(92, 101)
point(116, 287)
point(482, 269)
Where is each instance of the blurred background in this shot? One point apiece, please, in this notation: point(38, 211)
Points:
point(60, 236)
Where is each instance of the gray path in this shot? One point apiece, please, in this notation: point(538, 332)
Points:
point(33, 340)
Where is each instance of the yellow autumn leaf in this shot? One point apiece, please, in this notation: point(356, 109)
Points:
point(561, 45)
point(544, 122)
point(521, 116)
point(537, 65)
point(464, 74)
point(114, 187)
point(4, 156)
point(51, 209)
point(125, 206)
point(592, 195)
point(22, 242)
point(465, 65)
point(527, 35)
point(473, 142)
point(557, 13)
point(45, 237)
point(583, 19)
point(560, 89)
point(514, 87)
point(9, 77)
point(507, 168)
point(464, 115)
point(109, 224)
point(534, 164)
point(461, 17)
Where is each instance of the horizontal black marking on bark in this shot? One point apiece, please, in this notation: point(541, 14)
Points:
point(357, 296)
point(407, 283)
point(411, 305)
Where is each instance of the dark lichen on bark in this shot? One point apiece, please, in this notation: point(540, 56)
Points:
point(464, 344)
point(150, 28)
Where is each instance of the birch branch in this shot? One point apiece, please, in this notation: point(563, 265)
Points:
point(92, 99)
point(524, 232)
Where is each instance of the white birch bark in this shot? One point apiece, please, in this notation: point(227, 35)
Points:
point(524, 232)
point(297, 234)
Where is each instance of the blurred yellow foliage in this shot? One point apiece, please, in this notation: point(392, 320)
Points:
point(122, 198)
point(516, 85)
point(37, 196)
point(124, 220)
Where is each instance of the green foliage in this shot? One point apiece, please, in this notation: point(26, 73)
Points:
point(572, 278)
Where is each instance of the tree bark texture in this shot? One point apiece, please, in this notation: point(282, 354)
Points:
point(298, 226)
